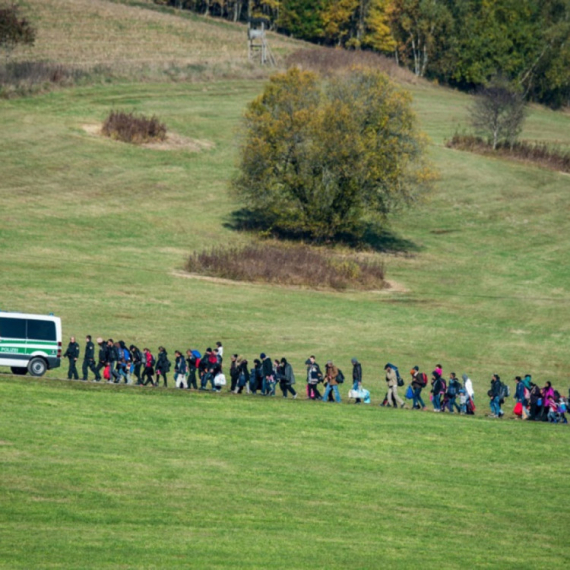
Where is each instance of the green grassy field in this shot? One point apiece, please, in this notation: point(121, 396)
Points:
point(97, 232)
point(102, 477)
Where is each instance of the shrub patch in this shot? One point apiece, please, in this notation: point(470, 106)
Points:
point(298, 265)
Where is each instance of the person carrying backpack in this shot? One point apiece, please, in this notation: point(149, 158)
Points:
point(419, 382)
point(191, 366)
point(162, 366)
point(453, 387)
point(495, 393)
point(331, 374)
point(392, 383)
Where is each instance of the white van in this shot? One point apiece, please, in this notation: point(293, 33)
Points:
point(30, 343)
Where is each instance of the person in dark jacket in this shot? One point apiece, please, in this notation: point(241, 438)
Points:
point(102, 357)
point(89, 360)
point(255, 377)
point(453, 387)
point(234, 372)
point(243, 376)
point(179, 370)
point(266, 373)
point(286, 378)
point(495, 395)
point(356, 377)
point(112, 358)
point(191, 366)
point(162, 366)
point(436, 389)
point(534, 399)
point(72, 354)
point(137, 360)
point(418, 384)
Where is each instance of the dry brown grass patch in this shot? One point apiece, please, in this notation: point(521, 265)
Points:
point(297, 265)
point(133, 128)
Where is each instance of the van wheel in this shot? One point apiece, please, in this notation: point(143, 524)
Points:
point(37, 366)
point(19, 371)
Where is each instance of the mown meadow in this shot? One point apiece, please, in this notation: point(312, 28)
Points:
point(98, 232)
point(104, 477)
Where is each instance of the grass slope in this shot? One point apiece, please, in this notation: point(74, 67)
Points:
point(132, 34)
point(98, 477)
point(95, 230)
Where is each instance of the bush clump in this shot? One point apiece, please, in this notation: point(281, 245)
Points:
point(298, 265)
point(534, 152)
point(133, 128)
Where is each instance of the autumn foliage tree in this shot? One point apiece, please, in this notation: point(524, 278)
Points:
point(319, 157)
point(14, 29)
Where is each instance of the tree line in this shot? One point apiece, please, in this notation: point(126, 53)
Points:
point(462, 43)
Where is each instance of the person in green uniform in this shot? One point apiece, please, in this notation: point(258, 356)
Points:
point(89, 360)
point(72, 353)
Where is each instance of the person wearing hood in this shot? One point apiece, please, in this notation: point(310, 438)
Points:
point(331, 373)
point(162, 366)
point(528, 382)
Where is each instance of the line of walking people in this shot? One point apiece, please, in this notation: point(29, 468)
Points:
point(117, 363)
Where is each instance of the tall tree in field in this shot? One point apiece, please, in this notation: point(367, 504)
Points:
point(14, 29)
point(498, 112)
point(320, 156)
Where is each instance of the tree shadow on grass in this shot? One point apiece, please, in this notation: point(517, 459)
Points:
point(369, 236)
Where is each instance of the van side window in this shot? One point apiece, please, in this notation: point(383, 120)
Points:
point(41, 330)
point(12, 328)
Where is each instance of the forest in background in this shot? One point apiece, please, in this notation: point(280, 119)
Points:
point(461, 43)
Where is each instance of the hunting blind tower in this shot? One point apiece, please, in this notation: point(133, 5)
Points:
point(258, 47)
